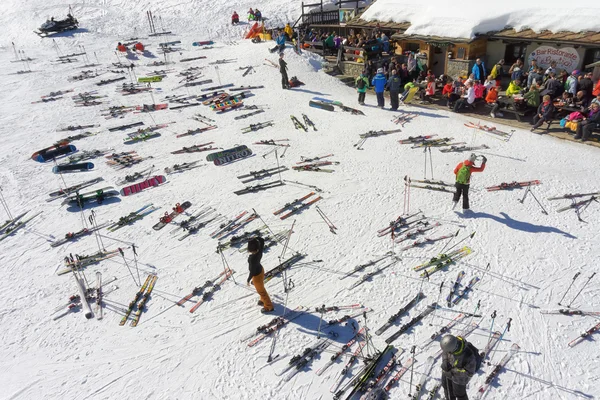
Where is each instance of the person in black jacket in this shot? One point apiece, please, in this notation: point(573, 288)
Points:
point(285, 82)
point(459, 364)
point(393, 85)
point(545, 113)
point(257, 273)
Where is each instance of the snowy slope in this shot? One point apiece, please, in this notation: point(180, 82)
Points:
point(440, 18)
point(173, 354)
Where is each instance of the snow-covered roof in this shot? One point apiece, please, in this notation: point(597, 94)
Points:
point(447, 19)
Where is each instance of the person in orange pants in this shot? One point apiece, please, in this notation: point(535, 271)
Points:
point(257, 273)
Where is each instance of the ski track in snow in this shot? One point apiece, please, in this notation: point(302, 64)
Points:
point(175, 354)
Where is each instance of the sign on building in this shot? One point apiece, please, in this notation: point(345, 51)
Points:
point(346, 14)
point(566, 58)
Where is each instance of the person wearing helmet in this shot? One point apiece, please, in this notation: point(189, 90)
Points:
point(463, 179)
point(459, 364)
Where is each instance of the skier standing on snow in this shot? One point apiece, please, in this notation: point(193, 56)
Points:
point(463, 179)
point(379, 83)
point(459, 364)
point(257, 273)
point(285, 82)
point(393, 85)
point(362, 84)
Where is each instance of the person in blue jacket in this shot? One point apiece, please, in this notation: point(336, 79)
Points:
point(479, 72)
point(280, 43)
point(379, 83)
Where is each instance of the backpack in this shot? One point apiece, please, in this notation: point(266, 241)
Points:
point(360, 84)
point(478, 358)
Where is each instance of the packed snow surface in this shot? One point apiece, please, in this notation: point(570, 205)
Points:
point(448, 19)
point(175, 354)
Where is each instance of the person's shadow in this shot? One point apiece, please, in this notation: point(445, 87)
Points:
point(517, 225)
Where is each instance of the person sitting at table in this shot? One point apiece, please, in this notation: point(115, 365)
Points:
point(552, 86)
point(479, 89)
point(586, 85)
point(492, 99)
point(545, 113)
point(588, 124)
point(470, 79)
point(535, 76)
point(429, 90)
point(516, 70)
point(447, 90)
point(457, 90)
point(571, 84)
point(581, 100)
point(489, 82)
point(514, 88)
point(468, 98)
point(551, 69)
point(532, 97)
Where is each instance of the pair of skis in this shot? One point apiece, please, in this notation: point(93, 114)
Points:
point(296, 206)
point(139, 301)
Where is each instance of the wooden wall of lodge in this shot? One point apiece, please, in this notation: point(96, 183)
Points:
point(471, 51)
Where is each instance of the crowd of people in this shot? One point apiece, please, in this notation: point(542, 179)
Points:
point(546, 93)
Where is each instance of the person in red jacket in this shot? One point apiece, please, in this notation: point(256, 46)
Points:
point(139, 47)
point(463, 179)
point(121, 47)
point(235, 18)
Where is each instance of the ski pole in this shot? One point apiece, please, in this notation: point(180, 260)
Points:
point(475, 311)
point(569, 288)
point(492, 326)
point(412, 367)
point(506, 328)
point(448, 242)
point(438, 301)
point(580, 290)
point(462, 240)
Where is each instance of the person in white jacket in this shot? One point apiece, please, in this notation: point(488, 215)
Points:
point(467, 98)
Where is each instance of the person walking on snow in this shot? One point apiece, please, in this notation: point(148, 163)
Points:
point(463, 179)
point(459, 364)
point(257, 273)
point(285, 82)
point(362, 84)
point(379, 83)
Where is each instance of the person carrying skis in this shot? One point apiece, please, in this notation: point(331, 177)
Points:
point(362, 84)
point(379, 83)
point(459, 363)
point(257, 273)
point(235, 18)
point(463, 179)
point(285, 82)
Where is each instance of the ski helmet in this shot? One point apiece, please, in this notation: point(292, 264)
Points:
point(449, 343)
